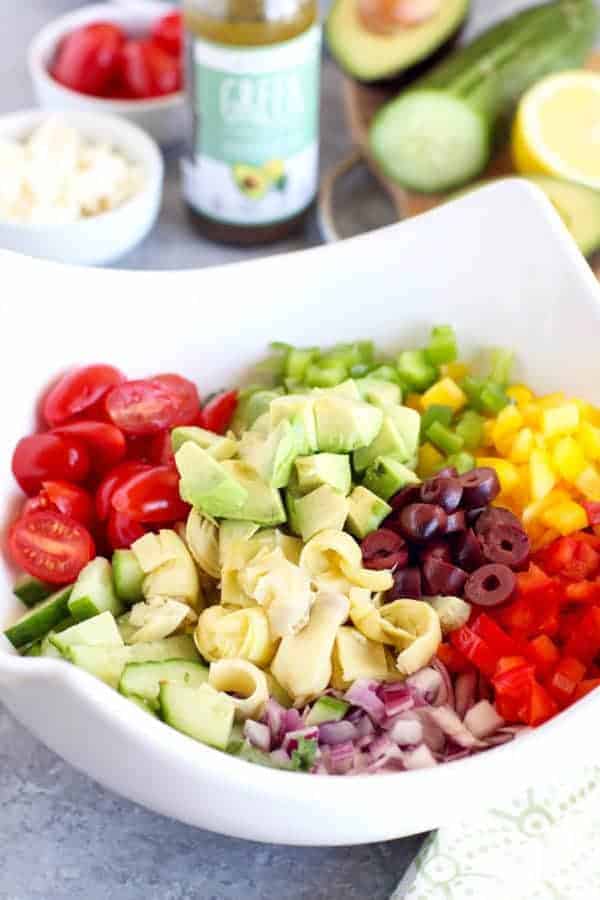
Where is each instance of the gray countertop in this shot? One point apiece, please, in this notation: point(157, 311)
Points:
point(62, 836)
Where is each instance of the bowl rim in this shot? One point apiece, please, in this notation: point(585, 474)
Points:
point(152, 160)
point(45, 41)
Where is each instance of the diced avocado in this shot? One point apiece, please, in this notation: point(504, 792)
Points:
point(206, 483)
point(387, 476)
point(143, 680)
point(321, 509)
point(38, 621)
point(389, 442)
point(579, 208)
point(327, 709)
point(128, 576)
point(253, 403)
point(408, 423)
point(200, 712)
point(324, 468)
point(366, 512)
point(344, 425)
point(347, 388)
point(263, 502)
point(273, 457)
point(217, 446)
point(93, 592)
point(100, 631)
point(299, 408)
point(31, 591)
point(291, 506)
point(106, 663)
point(379, 393)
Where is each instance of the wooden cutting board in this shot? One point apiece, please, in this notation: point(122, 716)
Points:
point(363, 101)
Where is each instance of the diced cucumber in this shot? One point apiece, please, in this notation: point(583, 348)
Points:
point(143, 705)
point(34, 650)
point(128, 576)
point(143, 680)
point(252, 754)
point(106, 663)
point(93, 592)
point(178, 646)
point(37, 622)
point(31, 591)
point(99, 631)
point(200, 712)
point(47, 648)
point(327, 709)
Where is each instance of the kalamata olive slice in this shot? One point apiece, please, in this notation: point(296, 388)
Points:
point(505, 544)
point(445, 492)
point(473, 514)
point(384, 549)
point(490, 585)
point(440, 577)
point(408, 494)
point(457, 521)
point(448, 472)
point(480, 487)
point(467, 551)
point(496, 515)
point(422, 521)
point(437, 550)
point(407, 583)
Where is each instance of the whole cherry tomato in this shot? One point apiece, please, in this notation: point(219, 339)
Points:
point(88, 58)
point(122, 531)
point(60, 496)
point(105, 442)
point(111, 481)
point(77, 391)
point(146, 71)
point(50, 546)
point(153, 404)
point(167, 33)
point(49, 457)
point(218, 412)
point(151, 497)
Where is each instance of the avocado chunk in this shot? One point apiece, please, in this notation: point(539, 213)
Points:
point(389, 442)
point(251, 181)
point(387, 476)
point(273, 457)
point(323, 468)
point(252, 404)
point(379, 393)
point(206, 484)
point(299, 409)
point(366, 512)
point(218, 446)
point(343, 424)
point(321, 509)
point(372, 56)
point(578, 207)
point(263, 503)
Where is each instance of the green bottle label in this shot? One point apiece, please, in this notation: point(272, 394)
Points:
point(256, 126)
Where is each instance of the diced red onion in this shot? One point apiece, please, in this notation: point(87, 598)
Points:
point(453, 728)
point(482, 720)
point(337, 732)
point(446, 691)
point(465, 688)
point(427, 682)
point(406, 732)
point(455, 753)
point(258, 734)
point(363, 694)
point(341, 758)
point(363, 742)
point(292, 721)
point(290, 741)
point(274, 716)
point(419, 758)
point(383, 746)
point(398, 700)
point(280, 757)
point(364, 726)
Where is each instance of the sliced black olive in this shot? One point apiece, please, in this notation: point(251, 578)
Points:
point(490, 585)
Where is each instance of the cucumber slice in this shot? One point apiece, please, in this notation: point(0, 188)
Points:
point(327, 709)
point(106, 663)
point(100, 631)
point(253, 755)
point(93, 592)
point(31, 591)
point(128, 576)
point(34, 650)
point(143, 680)
point(37, 622)
point(179, 646)
point(200, 712)
point(47, 648)
point(143, 705)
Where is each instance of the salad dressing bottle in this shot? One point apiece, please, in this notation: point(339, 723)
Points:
point(251, 168)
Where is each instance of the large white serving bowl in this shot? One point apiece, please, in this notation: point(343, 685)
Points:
point(497, 264)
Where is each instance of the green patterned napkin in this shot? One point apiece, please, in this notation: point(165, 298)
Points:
point(541, 846)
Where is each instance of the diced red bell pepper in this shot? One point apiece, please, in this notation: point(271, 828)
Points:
point(584, 640)
point(557, 556)
point(506, 663)
point(583, 592)
point(476, 650)
point(501, 643)
point(565, 679)
point(544, 654)
point(513, 685)
point(534, 583)
point(585, 687)
point(571, 557)
point(454, 661)
point(541, 706)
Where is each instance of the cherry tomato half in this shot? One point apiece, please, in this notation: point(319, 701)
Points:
point(146, 70)
point(88, 58)
point(167, 33)
point(161, 449)
point(218, 412)
point(78, 391)
point(153, 404)
point(105, 442)
point(122, 531)
point(151, 496)
point(50, 546)
point(111, 481)
point(49, 457)
point(60, 496)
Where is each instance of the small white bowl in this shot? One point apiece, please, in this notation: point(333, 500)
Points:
point(107, 236)
point(162, 117)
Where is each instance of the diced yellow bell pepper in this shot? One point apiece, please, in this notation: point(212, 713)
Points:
point(588, 483)
point(589, 439)
point(568, 458)
point(455, 370)
point(532, 414)
point(414, 401)
point(565, 517)
point(520, 493)
point(520, 394)
point(560, 420)
point(593, 415)
point(585, 409)
point(507, 473)
point(542, 478)
point(445, 392)
point(487, 433)
point(522, 446)
point(541, 537)
point(550, 401)
point(430, 459)
point(508, 422)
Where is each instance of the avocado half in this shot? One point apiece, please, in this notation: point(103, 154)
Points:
point(375, 57)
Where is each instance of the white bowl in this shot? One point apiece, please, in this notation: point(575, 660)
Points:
point(163, 117)
point(107, 236)
point(500, 266)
